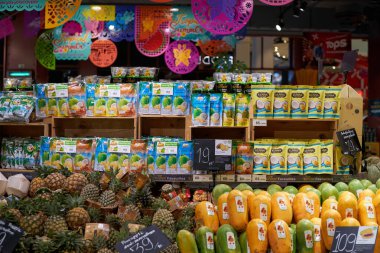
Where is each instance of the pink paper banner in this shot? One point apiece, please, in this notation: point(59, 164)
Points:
point(32, 23)
point(6, 27)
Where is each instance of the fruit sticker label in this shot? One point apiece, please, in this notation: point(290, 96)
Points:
point(281, 203)
point(58, 91)
point(231, 240)
point(349, 213)
point(261, 232)
point(291, 198)
point(309, 239)
point(309, 204)
point(358, 192)
point(317, 233)
point(239, 204)
point(264, 212)
point(163, 89)
point(368, 198)
point(119, 146)
point(280, 230)
point(210, 209)
point(370, 210)
point(167, 148)
point(210, 240)
point(66, 146)
point(334, 206)
point(225, 211)
point(330, 227)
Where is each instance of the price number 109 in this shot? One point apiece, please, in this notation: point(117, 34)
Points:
point(344, 242)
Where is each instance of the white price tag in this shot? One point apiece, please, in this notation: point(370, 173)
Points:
point(259, 178)
point(202, 178)
point(226, 178)
point(244, 178)
point(259, 122)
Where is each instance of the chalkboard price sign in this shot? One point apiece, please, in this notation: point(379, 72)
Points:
point(148, 240)
point(212, 155)
point(9, 236)
point(354, 239)
point(349, 142)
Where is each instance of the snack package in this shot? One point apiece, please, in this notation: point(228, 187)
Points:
point(77, 99)
point(294, 159)
point(197, 86)
point(133, 74)
point(312, 157)
point(104, 79)
point(101, 154)
point(315, 102)
point(327, 157)
point(148, 74)
point(90, 99)
point(216, 108)
point(331, 102)
point(281, 100)
point(208, 86)
point(20, 108)
point(261, 154)
point(151, 154)
point(243, 102)
point(119, 72)
point(25, 83)
point(185, 157)
point(119, 152)
point(138, 156)
point(44, 151)
point(343, 162)
point(262, 78)
point(83, 160)
point(93, 79)
point(278, 157)
point(262, 97)
point(200, 104)
point(238, 82)
point(250, 80)
point(299, 104)
point(10, 84)
point(244, 157)
point(229, 100)
point(145, 96)
point(223, 82)
point(181, 98)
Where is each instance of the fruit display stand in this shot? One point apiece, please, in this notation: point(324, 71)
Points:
point(33, 129)
point(164, 125)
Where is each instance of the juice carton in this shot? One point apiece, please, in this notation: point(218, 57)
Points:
point(229, 100)
point(181, 99)
point(185, 157)
point(242, 109)
point(83, 160)
point(138, 156)
point(119, 151)
point(244, 158)
point(145, 95)
point(90, 99)
point(216, 108)
point(101, 154)
point(200, 109)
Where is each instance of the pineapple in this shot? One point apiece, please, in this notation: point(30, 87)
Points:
point(113, 220)
point(77, 216)
point(55, 223)
point(76, 182)
point(164, 220)
point(171, 249)
point(44, 245)
point(186, 221)
point(141, 198)
point(129, 213)
point(36, 184)
point(33, 219)
point(55, 181)
point(99, 243)
point(116, 236)
point(91, 192)
point(160, 203)
point(95, 215)
point(68, 242)
point(94, 177)
point(146, 221)
point(107, 198)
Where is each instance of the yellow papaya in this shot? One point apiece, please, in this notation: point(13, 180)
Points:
point(376, 204)
point(260, 208)
point(223, 209)
point(348, 205)
point(330, 220)
point(366, 213)
point(265, 193)
point(237, 210)
point(350, 222)
point(257, 236)
point(306, 206)
point(279, 237)
point(366, 194)
point(186, 242)
point(329, 203)
point(205, 215)
point(319, 246)
point(281, 208)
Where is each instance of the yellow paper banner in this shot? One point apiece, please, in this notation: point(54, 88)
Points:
point(58, 12)
point(100, 12)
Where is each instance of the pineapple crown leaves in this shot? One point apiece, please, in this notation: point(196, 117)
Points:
point(74, 201)
point(54, 208)
point(116, 185)
point(114, 221)
point(99, 242)
point(95, 215)
point(146, 220)
point(160, 203)
point(45, 171)
point(24, 244)
point(32, 206)
point(6, 214)
point(65, 171)
point(68, 241)
point(94, 177)
point(44, 245)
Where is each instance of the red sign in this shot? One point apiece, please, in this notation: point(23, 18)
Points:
point(103, 53)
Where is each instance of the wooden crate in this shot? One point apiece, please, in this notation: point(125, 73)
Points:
point(34, 129)
point(162, 125)
point(113, 127)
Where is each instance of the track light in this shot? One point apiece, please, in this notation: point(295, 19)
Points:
point(296, 12)
point(303, 6)
point(280, 24)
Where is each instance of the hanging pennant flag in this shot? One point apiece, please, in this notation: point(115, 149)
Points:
point(32, 23)
point(152, 29)
point(123, 27)
point(100, 12)
point(222, 16)
point(7, 27)
point(22, 5)
point(214, 47)
point(103, 53)
point(95, 27)
point(182, 57)
point(58, 12)
point(44, 50)
point(276, 2)
point(184, 26)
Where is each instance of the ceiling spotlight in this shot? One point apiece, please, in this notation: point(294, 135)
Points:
point(174, 9)
point(303, 6)
point(111, 27)
point(280, 24)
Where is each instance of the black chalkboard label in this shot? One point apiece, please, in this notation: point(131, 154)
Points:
point(9, 236)
point(349, 142)
point(354, 239)
point(212, 155)
point(148, 240)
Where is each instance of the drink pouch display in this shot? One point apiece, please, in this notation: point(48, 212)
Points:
point(112, 107)
point(327, 157)
point(299, 103)
point(127, 107)
point(208, 86)
point(294, 157)
point(312, 157)
point(104, 79)
point(262, 98)
point(45, 151)
point(138, 162)
point(62, 152)
point(281, 100)
point(200, 104)
point(90, 99)
point(119, 152)
point(343, 162)
point(229, 101)
point(244, 157)
point(181, 98)
point(77, 99)
point(261, 154)
point(101, 152)
point(185, 157)
point(278, 157)
point(151, 154)
point(168, 151)
point(331, 102)
point(83, 160)
point(91, 79)
point(166, 105)
point(63, 107)
point(238, 82)
point(243, 102)
point(315, 102)
point(145, 96)
point(223, 82)
point(100, 105)
point(216, 109)
point(133, 74)
point(160, 158)
point(155, 102)
point(262, 78)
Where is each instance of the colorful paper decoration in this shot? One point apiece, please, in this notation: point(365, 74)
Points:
point(184, 26)
point(21, 5)
point(44, 50)
point(182, 57)
point(32, 23)
point(100, 12)
point(161, 1)
point(123, 27)
point(222, 16)
point(214, 47)
point(58, 12)
point(276, 2)
point(152, 29)
point(95, 27)
point(7, 27)
point(103, 53)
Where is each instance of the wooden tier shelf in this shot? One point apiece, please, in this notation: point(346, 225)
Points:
point(33, 129)
point(164, 125)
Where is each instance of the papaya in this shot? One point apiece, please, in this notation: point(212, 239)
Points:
point(350, 222)
point(293, 237)
point(205, 240)
point(244, 243)
point(257, 236)
point(376, 204)
point(305, 188)
point(217, 247)
point(305, 236)
point(367, 194)
point(228, 241)
point(377, 244)
point(237, 210)
point(248, 193)
point(319, 246)
point(223, 209)
point(330, 203)
point(218, 190)
point(366, 213)
point(186, 242)
point(306, 206)
point(330, 220)
point(281, 208)
point(243, 186)
point(279, 236)
point(260, 208)
point(265, 193)
point(205, 215)
point(348, 205)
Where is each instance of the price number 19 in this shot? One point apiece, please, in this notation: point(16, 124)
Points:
point(344, 243)
point(203, 156)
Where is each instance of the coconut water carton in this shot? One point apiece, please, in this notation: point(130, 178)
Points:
point(101, 154)
point(181, 98)
point(145, 95)
point(216, 108)
point(185, 157)
point(200, 109)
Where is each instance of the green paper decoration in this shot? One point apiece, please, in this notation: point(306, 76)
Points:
point(44, 50)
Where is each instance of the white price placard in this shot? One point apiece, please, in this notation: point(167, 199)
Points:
point(259, 122)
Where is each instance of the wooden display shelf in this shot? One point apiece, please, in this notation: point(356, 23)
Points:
point(32, 129)
point(220, 132)
point(164, 125)
point(116, 127)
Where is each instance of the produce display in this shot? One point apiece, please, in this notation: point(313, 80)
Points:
point(240, 82)
point(133, 74)
point(16, 107)
point(18, 84)
point(19, 153)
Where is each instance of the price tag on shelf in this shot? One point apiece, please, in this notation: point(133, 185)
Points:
point(212, 155)
point(9, 236)
point(244, 178)
point(354, 239)
point(259, 178)
point(225, 178)
point(349, 141)
point(202, 178)
point(259, 122)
